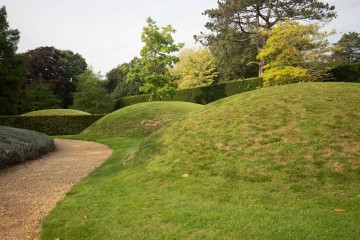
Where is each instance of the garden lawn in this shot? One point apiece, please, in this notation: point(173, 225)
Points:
point(275, 163)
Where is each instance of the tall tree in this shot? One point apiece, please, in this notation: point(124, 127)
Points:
point(90, 95)
point(348, 48)
point(295, 53)
point(117, 81)
point(11, 66)
point(59, 68)
point(37, 97)
point(156, 59)
point(251, 16)
point(197, 67)
point(233, 51)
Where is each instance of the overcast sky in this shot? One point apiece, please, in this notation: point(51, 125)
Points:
point(107, 32)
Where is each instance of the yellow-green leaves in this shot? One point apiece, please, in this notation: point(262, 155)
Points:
point(197, 67)
point(294, 53)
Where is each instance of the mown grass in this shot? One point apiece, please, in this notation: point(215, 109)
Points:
point(276, 163)
point(57, 112)
point(139, 120)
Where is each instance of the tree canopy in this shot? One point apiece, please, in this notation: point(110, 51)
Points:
point(250, 16)
point(11, 66)
point(58, 68)
point(348, 48)
point(39, 96)
point(294, 53)
point(156, 59)
point(117, 81)
point(197, 67)
point(90, 95)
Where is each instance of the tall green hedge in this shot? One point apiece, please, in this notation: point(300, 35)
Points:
point(200, 95)
point(346, 73)
point(51, 125)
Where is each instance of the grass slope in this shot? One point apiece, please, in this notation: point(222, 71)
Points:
point(50, 112)
point(139, 120)
point(276, 163)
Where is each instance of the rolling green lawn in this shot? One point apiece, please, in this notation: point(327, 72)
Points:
point(50, 112)
point(275, 163)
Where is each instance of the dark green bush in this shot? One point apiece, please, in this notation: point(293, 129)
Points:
point(19, 145)
point(200, 95)
point(346, 73)
point(52, 125)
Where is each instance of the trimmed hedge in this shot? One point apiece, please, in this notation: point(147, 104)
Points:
point(19, 145)
point(200, 95)
point(346, 73)
point(52, 125)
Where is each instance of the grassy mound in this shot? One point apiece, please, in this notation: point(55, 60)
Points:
point(303, 132)
point(139, 120)
point(57, 112)
point(19, 145)
point(276, 163)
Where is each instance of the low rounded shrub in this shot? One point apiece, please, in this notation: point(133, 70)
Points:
point(19, 145)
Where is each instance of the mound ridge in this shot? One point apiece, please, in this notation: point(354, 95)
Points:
point(300, 132)
point(139, 120)
point(57, 112)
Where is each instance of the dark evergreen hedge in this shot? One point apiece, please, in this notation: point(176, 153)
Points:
point(201, 95)
point(346, 73)
point(51, 125)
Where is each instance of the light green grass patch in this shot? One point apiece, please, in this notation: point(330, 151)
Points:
point(57, 112)
point(139, 120)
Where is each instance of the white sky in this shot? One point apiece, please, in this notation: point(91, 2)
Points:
point(107, 32)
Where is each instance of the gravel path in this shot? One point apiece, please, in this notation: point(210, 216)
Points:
point(28, 192)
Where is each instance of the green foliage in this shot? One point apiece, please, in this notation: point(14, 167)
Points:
point(139, 120)
point(11, 66)
point(37, 97)
point(19, 145)
point(294, 53)
point(117, 81)
point(58, 68)
point(58, 112)
point(51, 125)
point(349, 48)
point(201, 95)
point(196, 67)
point(281, 75)
point(90, 95)
point(156, 58)
point(252, 16)
point(233, 52)
point(346, 73)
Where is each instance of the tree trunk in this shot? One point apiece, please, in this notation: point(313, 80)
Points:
point(261, 68)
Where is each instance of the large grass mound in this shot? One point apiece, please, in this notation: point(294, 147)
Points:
point(275, 163)
point(19, 145)
point(139, 120)
point(56, 112)
point(295, 133)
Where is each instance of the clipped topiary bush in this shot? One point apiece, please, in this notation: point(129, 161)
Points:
point(52, 125)
point(19, 145)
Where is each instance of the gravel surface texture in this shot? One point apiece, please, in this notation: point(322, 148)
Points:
point(28, 192)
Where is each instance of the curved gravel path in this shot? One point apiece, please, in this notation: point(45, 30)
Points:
point(28, 192)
